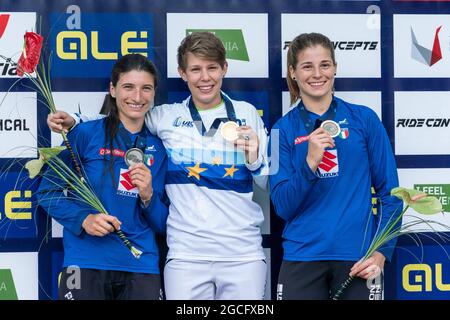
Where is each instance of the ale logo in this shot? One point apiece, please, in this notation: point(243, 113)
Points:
point(7, 287)
point(419, 278)
point(233, 41)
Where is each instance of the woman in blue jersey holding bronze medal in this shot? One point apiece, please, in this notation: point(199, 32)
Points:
point(331, 152)
point(125, 166)
point(217, 148)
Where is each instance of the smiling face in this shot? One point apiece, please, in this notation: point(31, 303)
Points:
point(204, 79)
point(314, 73)
point(134, 94)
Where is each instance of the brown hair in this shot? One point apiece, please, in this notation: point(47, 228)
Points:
point(300, 43)
point(201, 44)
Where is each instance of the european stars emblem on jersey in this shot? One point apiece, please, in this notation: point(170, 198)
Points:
point(195, 171)
point(230, 171)
point(217, 161)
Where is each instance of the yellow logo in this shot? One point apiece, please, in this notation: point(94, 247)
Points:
point(423, 278)
point(80, 44)
point(374, 202)
point(12, 203)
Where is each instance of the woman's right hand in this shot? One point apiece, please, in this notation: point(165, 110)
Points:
point(59, 121)
point(318, 141)
point(100, 224)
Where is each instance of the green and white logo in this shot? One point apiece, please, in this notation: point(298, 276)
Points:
point(441, 191)
point(233, 41)
point(7, 287)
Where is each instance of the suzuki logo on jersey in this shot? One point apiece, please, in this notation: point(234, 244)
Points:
point(125, 187)
point(329, 167)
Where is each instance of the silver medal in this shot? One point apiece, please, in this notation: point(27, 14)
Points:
point(134, 156)
point(331, 127)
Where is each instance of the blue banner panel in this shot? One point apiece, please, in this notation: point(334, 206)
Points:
point(57, 261)
point(88, 49)
point(18, 218)
point(423, 272)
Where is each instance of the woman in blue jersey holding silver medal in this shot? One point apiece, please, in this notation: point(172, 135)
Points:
point(217, 148)
point(125, 166)
point(331, 153)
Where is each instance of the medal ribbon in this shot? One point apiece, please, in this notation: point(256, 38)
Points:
point(140, 142)
point(308, 122)
point(231, 116)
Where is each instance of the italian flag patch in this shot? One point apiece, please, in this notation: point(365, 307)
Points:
point(344, 133)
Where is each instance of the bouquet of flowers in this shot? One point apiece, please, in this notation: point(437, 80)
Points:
point(30, 63)
point(63, 177)
point(420, 202)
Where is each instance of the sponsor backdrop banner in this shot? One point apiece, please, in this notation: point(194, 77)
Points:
point(11, 25)
point(422, 122)
point(356, 40)
point(421, 46)
point(245, 37)
point(393, 56)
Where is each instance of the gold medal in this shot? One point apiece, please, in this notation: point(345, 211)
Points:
point(229, 131)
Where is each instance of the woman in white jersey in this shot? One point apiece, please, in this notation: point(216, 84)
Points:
point(213, 229)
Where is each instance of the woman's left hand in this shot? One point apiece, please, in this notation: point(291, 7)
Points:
point(371, 268)
point(249, 142)
point(141, 177)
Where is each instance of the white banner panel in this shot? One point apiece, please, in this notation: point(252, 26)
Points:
point(434, 182)
point(89, 103)
point(18, 125)
point(245, 37)
point(19, 276)
point(422, 121)
point(421, 46)
point(356, 40)
point(13, 26)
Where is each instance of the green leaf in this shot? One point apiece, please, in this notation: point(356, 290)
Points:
point(34, 167)
point(418, 200)
point(47, 153)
